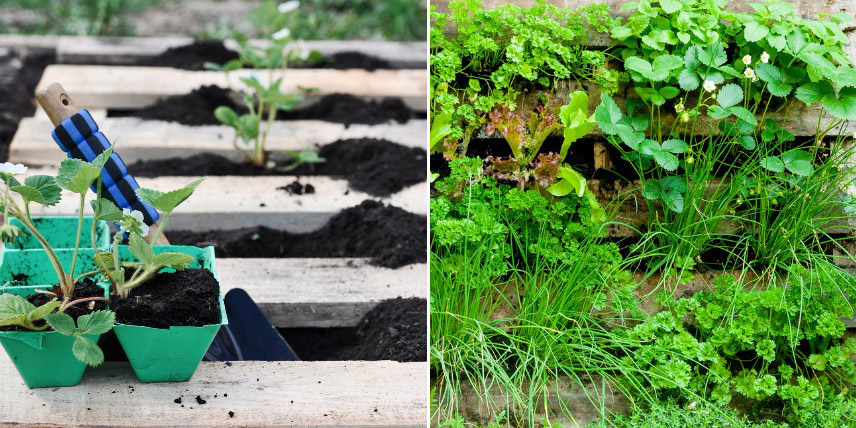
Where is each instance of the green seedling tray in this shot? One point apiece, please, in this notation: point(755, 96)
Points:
point(43, 358)
point(173, 354)
point(33, 267)
point(60, 231)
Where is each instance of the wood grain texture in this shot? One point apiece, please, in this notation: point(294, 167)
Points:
point(56, 103)
point(330, 292)
point(148, 139)
point(346, 393)
point(229, 202)
point(94, 86)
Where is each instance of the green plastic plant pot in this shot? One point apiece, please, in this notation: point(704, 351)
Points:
point(33, 267)
point(173, 354)
point(43, 359)
point(60, 231)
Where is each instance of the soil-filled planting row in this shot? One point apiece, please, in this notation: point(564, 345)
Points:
point(197, 108)
point(376, 167)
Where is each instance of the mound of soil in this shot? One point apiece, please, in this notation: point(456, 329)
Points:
point(389, 235)
point(348, 60)
point(393, 330)
point(377, 167)
point(197, 108)
point(192, 56)
point(186, 298)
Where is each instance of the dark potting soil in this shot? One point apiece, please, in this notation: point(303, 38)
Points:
point(349, 60)
point(393, 330)
point(197, 108)
point(389, 235)
point(377, 167)
point(82, 289)
point(184, 298)
point(192, 56)
point(20, 72)
point(297, 188)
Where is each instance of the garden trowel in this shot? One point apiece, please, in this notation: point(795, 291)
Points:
point(78, 136)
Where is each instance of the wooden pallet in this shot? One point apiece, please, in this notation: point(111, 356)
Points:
point(117, 87)
point(346, 393)
point(129, 50)
point(140, 139)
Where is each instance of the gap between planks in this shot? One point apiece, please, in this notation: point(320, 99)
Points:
point(127, 50)
point(231, 202)
point(320, 292)
point(299, 393)
point(140, 139)
point(120, 87)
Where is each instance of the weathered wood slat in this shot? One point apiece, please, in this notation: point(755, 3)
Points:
point(235, 202)
point(331, 292)
point(94, 86)
point(147, 139)
point(127, 50)
point(346, 393)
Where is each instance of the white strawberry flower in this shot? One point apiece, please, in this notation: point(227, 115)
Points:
point(747, 59)
point(679, 107)
point(288, 6)
point(749, 73)
point(709, 85)
point(10, 169)
point(765, 57)
point(282, 34)
point(133, 220)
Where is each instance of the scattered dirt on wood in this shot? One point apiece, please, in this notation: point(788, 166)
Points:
point(192, 56)
point(184, 298)
point(389, 235)
point(376, 167)
point(393, 330)
point(197, 108)
point(200, 400)
point(296, 188)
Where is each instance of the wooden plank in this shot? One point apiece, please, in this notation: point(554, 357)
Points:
point(228, 202)
point(94, 86)
point(286, 393)
point(332, 292)
point(147, 139)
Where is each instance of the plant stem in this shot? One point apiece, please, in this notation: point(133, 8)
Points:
point(79, 232)
point(67, 289)
point(162, 226)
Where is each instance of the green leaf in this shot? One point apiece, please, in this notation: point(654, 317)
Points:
point(166, 202)
point(730, 95)
point(773, 163)
point(61, 323)
point(227, 116)
point(843, 106)
point(798, 162)
point(104, 261)
point(98, 322)
point(674, 200)
point(748, 142)
point(669, 92)
point(675, 183)
point(607, 114)
point(174, 260)
point(812, 93)
point(796, 41)
point(575, 119)
point(87, 351)
point(14, 309)
point(441, 126)
point(570, 181)
point(674, 146)
point(667, 62)
point(688, 80)
point(668, 161)
point(670, 6)
point(141, 249)
point(42, 311)
point(652, 190)
point(41, 189)
point(744, 115)
point(755, 31)
point(658, 71)
point(106, 210)
point(76, 175)
point(713, 56)
point(775, 81)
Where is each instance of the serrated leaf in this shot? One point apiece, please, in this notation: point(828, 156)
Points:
point(754, 31)
point(12, 305)
point(670, 6)
point(652, 190)
point(76, 175)
point(43, 310)
point(41, 189)
point(729, 95)
point(667, 62)
point(675, 183)
point(744, 115)
point(106, 210)
point(843, 106)
point(796, 41)
point(713, 56)
point(607, 114)
point(688, 80)
point(674, 146)
point(748, 142)
point(166, 202)
point(798, 162)
point(61, 323)
point(668, 161)
point(173, 260)
point(812, 93)
point(669, 92)
point(648, 147)
point(98, 322)
point(674, 200)
point(104, 261)
point(718, 113)
point(87, 351)
point(773, 163)
point(141, 249)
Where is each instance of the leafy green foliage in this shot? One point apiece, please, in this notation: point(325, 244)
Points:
point(167, 201)
point(41, 189)
point(77, 175)
point(16, 310)
point(84, 349)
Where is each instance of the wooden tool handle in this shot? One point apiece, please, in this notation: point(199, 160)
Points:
point(58, 105)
